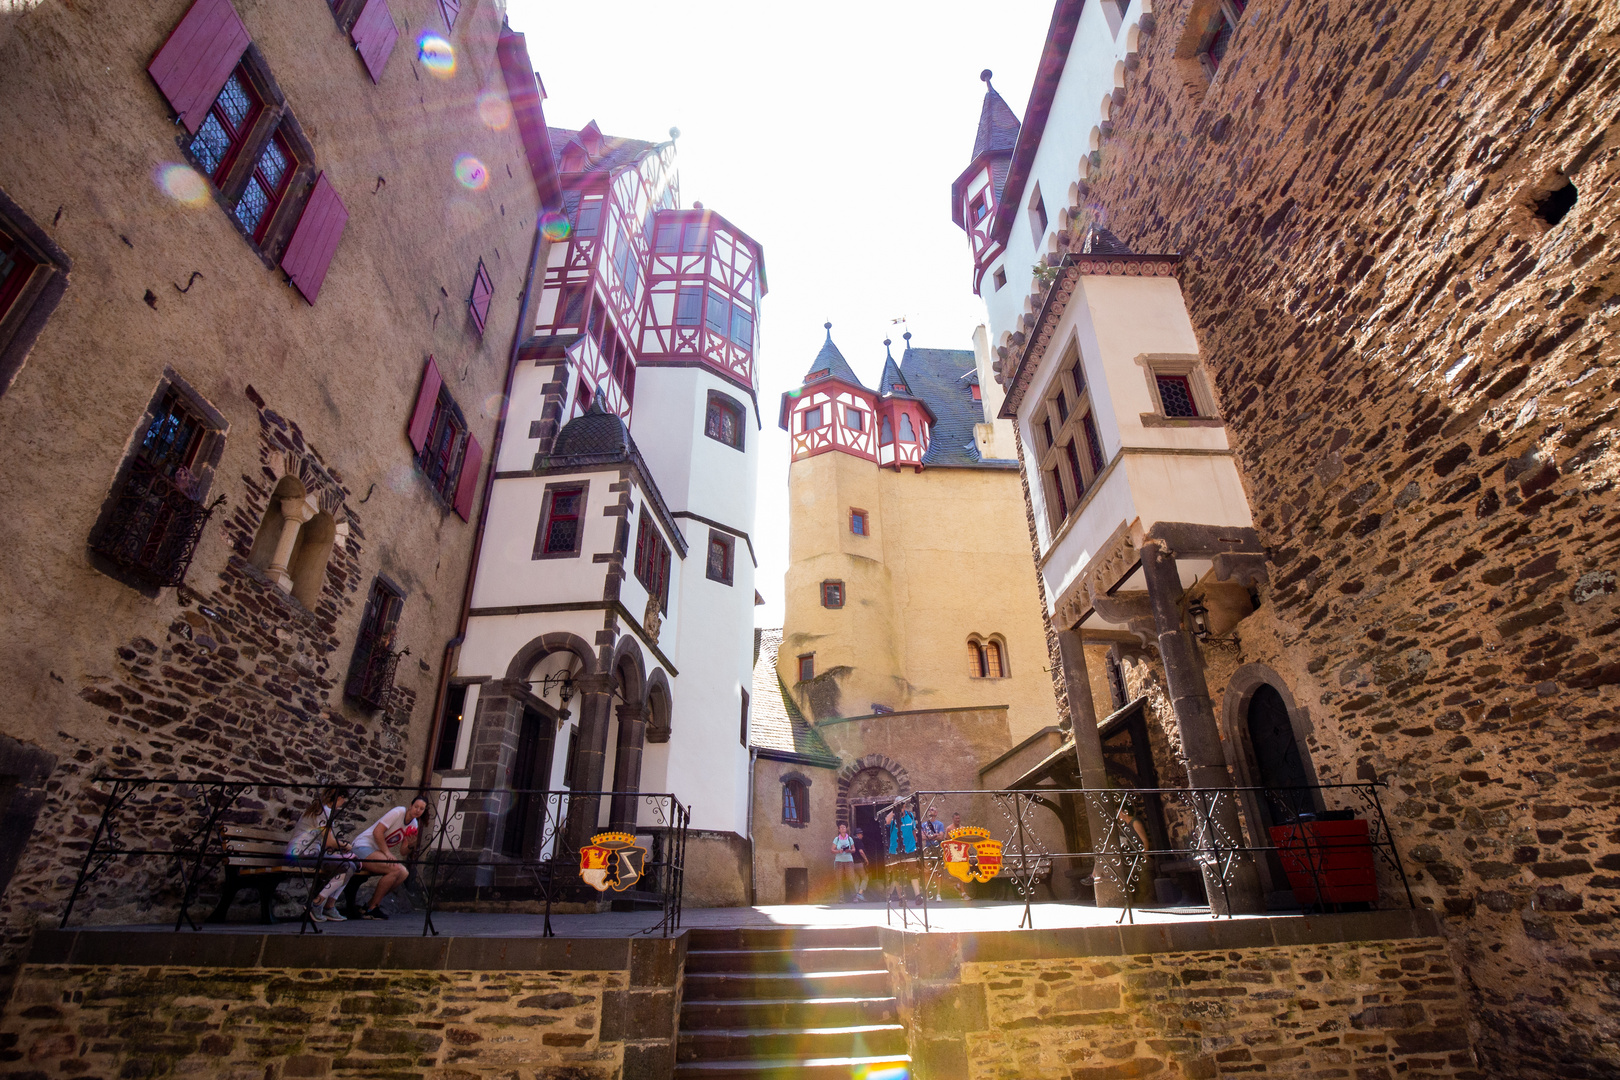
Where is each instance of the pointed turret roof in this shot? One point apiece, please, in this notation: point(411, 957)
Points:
point(831, 361)
point(998, 127)
point(893, 383)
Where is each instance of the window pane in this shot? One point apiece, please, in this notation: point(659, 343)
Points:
point(907, 433)
point(1176, 393)
point(1093, 444)
point(669, 237)
point(885, 432)
point(589, 215)
point(251, 207)
point(573, 306)
point(697, 239)
point(273, 164)
point(992, 660)
point(560, 537)
point(718, 313)
point(211, 143)
point(1074, 468)
point(975, 662)
point(235, 101)
point(855, 418)
point(688, 306)
point(742, 327)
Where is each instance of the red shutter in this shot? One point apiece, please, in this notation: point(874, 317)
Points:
point(313, 243)
point(470, 464)
point(199, 56)
point(374, 36)
point(482, 290)
point(422, 419)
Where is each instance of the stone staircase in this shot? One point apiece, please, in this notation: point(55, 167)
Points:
point(789, 1004)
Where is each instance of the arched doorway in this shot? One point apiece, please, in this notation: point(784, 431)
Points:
point(1278, 762)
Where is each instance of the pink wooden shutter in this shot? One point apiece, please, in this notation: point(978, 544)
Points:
point(470, 464)
point(422, 418)
point(479, 300)
point(193, 64)
point(374, 36)
point(314, 241)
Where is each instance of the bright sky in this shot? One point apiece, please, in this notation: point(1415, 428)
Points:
point(831, 134)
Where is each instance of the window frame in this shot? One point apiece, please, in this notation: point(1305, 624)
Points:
point(857, 514)
point(1068, 461)
point(805, 426)
point(445, 451)
point(542, 535)
point(795, 802)
point(855, 419)
point(34, 294)
point(807, 667)
point(652, 561)
point(833, 595)
point(1186, 367)
point(727, 544)
point(999, 278)
point(379, 628)
point(723, 404)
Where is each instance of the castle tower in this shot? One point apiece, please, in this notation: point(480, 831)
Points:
point(976, 193)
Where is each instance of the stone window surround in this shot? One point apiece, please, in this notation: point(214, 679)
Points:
point(979, 641)
point(1187, 366)
point(1052, 462)
point(802, 799)
point(545, 519)
point(729, 542)
point(865, 519)
point(297, 513)
point(21, 325)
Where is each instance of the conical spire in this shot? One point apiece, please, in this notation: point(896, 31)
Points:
point(830, 363)
point(893, 383)
point(998, 127)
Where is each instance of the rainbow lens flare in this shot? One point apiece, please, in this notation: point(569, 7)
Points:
point(883, 1072)
point(494, 110)
point(554, 226)
point(493, 403)
point(436, 54)
point(181, 183)
point(471, 174)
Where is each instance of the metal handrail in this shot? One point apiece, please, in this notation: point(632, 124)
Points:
point(193, 844)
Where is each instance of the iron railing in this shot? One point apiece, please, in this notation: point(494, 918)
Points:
point(372, 682)
point(1290, 817)
point(153, 527)
point(180, 823)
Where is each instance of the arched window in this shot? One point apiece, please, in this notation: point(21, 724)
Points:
point(885, 432)
point(795, 802)
point(724, 421)
point(985, 660)
point(907, 433)
point(992, 660)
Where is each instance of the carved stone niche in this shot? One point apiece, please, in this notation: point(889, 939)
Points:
point(872, 784)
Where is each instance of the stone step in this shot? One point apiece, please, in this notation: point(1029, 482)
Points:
point(835, 958)
point(730, 986)
point(784, 937)
point(830, 1068)
point(787, 1012)
point(730, 1044)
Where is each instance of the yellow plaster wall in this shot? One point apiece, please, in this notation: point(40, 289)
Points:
point(948, 556)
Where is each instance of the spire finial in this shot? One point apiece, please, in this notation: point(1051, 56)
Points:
point(886, 351)
point(828, 327)
point(907, 336)
point(984, 76)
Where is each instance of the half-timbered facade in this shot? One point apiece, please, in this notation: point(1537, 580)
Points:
point(618, 560)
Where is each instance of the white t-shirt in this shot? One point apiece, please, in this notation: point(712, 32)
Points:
point(396, 830)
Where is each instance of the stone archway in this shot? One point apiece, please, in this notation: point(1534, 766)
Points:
point(870, 779)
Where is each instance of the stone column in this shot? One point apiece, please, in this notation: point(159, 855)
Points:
point(627, 767)
point(1089, 754)
point(1200, 737)
point(294, 513)
point(590, 758)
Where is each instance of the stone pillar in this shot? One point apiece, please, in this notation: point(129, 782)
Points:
point(1200, 737)
point(497, 723)
point(1089, 754)
point(627, 767)
point(590, 758)
point(294, 513)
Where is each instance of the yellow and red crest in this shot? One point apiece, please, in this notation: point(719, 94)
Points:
point(612, 860)
point(970, 854)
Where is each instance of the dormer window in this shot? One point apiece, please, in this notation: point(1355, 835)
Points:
point(1037, 215)
point(978, 208)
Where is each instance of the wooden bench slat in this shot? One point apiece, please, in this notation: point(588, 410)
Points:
point(252, 832)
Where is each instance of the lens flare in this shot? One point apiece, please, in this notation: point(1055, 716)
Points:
point(494, 110)
point(401, 479)
point(554, 226)
point(181, 183)
point(436, 54)
point(884, 1072)
point(471, 174)
point(493, 403)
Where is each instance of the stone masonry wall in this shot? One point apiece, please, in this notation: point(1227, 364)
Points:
point(1054, 1005)
point(1418, 372)
point(269, 1024)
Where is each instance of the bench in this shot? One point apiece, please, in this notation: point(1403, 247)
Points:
point(256, 858)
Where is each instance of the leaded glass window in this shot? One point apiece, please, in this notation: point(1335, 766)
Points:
point(1175, 391)
point(226, 125)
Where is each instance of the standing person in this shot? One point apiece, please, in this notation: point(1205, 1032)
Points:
point(902, 826)
point(382, 848)
point(863, 866)
point(933, 831)
point(843, 847)
point(314, 843)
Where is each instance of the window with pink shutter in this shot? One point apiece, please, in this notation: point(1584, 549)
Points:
point(315, 241)
point(199, 55)
point(374, 36)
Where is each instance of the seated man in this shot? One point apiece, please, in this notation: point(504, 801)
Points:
point(382, 849)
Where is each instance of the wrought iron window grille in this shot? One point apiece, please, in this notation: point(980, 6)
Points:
point(155, 524)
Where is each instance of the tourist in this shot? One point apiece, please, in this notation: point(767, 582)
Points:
point(863, 866)
point(843, 847)
point(902, 826)
point(382, 848)
point(933, 831)
point(314, 843)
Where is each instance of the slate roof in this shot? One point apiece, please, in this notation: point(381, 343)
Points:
point(777, 728)
point(831, 359)
point(1099, 241)
point(893, 382)
point(998, 127)
point(943, 379)
point(615, 154)
point(596, 434)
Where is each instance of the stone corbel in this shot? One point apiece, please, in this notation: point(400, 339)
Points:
point(1130, 610)
point(1247, 568)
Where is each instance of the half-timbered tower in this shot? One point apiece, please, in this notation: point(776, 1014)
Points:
point(976, 193)
point(610, 644)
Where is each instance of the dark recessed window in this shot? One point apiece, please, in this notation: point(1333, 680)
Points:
point(885, 432)
point(371, 671)
point(16, 267)
point(1093, 444)
point(907, 432)
point(724, 420)
point(978, 208)
point(858, 523)
point(1556, 204)
point(721, 549)
point(1175, 392)
point(807, 667)
point(652, 561)
point(812, 419)
point(744, 734)
point(573, 306)
point(561, 522)
point(1000, 278)
point(1218, 38)
point(832, 594)
point(1074, 469)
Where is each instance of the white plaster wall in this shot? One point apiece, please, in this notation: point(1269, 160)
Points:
point(508, 572)
point(492, 640)
point(528, 399)
point(1112, 502)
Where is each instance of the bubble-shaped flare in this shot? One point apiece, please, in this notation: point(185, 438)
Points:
point(554, 226)
point(436, 54)
point(181, 183)
point(470, 173)
point(494, 110)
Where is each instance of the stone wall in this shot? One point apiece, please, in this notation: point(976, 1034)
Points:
point(457, 1008)
point(1417, 370)
point(1188, 1001)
